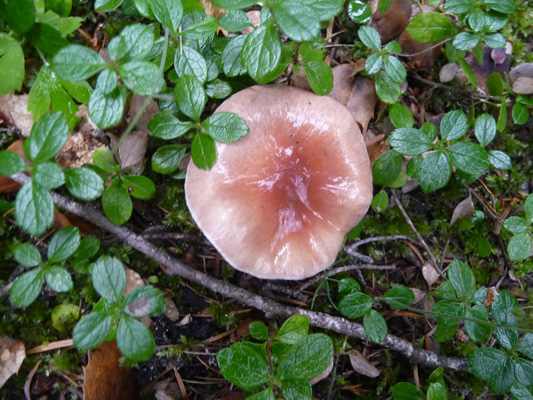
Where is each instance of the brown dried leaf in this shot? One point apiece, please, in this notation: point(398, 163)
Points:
point(430, 273)
point(171, 312)
point(324, 374)
point(448, 72)
point(136, 103)
point(361, 364)
point(419, 295)
point(12, 354)
point(465, 209)
point(426, 54)
point(132, 151)
point(16, 108)
point(393, 21)
point(522, 78)
point(212, 10)
point(105, 379)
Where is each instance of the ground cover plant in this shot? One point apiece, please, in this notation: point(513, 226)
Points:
point(108, 289)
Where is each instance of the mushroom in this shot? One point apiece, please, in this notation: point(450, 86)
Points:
point(278, 203)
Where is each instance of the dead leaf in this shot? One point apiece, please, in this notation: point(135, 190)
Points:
point(212, 10)
point(136, 103)
point(133, 150)
point(16, 108)
point(425, 54)
point(12, 353)
point(133, 281)
point(522, 78)
point(255, 19)
point(492, 62)
point(430, 273)
point(465, 209)
point(171, 312)
point(167, 390)
point(105, 379)
point(393, 21)
point(419, 295)
point(448, 72)
point(361, 364)
point(324, 373)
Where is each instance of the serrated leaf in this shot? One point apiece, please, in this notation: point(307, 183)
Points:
point(499, 159)
point(430, 27)
point(106, 5)
point(375, 326)
point(49, 175)
point(355, 305)
point(19, 15)
point(190, 96)
point(167, 158)
point(486, 363)
point(142, 77)
point(231, 57)
point(293, 329)
point(203, 151)
point(109, 278)
point(448, 312)
point(453, 125)
point(307, 358)
point(468, 157)
point(48, 136)
point(258, 331)
point(233, 4)
point(91, 330)
point(485, 129)
point(58, 279)
point(387, 90)
point(84, 183)
point(519, 247)
point(168, 12)
point(76, 63)
point(320, 77)
point(370, 37)
point(261, 51)
point(10, 163)
point(235, 20)
point(466, 40)
point(106, 110)
point(434, 172)
point(135, 340)
point(374, 63)
point(478, 331)
point(502, 6)
point(462, 279)
point(34, 208)
point(359, 11)
point(395, 69)
point(188, 61)
point(63, 244)
point(27, 287)
point(243, 366)
point(516, 224)
point(225, 127)
point(295, 20)
point(165, 126)
point(27, 255)
point(117, 204)
point(11, 65)
point(399, 297)
point(202, 29)
point(409, 141)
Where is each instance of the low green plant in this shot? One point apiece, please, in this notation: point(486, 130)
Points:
point(435, 388)
point(520, 246)
point(284, 362)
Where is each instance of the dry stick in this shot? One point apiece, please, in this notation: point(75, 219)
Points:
point(269, 307)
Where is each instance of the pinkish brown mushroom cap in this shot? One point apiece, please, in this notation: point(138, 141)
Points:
point(278, 203)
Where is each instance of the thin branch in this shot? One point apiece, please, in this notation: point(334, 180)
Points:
point(269, 307)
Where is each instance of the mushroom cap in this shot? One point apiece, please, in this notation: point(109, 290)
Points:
point(278, 202)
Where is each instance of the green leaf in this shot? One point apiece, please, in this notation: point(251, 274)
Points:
point(478, 332)
point(258, 331)
point(145, 300)
point(10, 163)
point(91, 330)
point(370, 37)
point(409, 141)
point(63, 244)
point(528, 209)
point(295, 20)
point(165, 126)
point(47, 39)
point(138, 186)
point(524, 371)
point(233, 4)
point(84, 183)
point(48, 136)
point(88, 247)
point(387, 168)
point(138, 41)
point(502, 6)
point(202, 29)
point(462, 279)
point(58, 279)
point(27, 287)
point(453, 125)
point(243, 366)
point(506, 337)
point(516, 224)
point(359, 11)
point(466, 40)
point(399, 297)
point(203, 151)
point(107, 81)
point(476, 20)
point(499, 159)
point(261, 51)
point(395, 69)
point(495, 40)
point(387, 90)
point(502, 118)
point(503, 308)
point(106, 5)
point(167, 158)
point(320, 77)
point(375, 326)
point(495, 84)
point(76, 63)
point(447, 312)
point(347, 286)
point(141, 77)
point(374, 63)
point(293, 329)
point(189, 62)
point(106, 110)
point(430, 27)
point(231, 57)
point(225, 127)
point(486, 363)
point(520, 114)
point(11, 64)
point(437, 391)
point(296, 389)
point(235, 20)
point(34, 208)
point(406, 391)
point(109, 278)
point(355, 305)
point(134, 340)
point(458, 6)
point(27, 255)
point(519, 247)
point(468, 157)
point(401, 117)
point(485, 129)
point(116, 203)
point(168, 12)
point(380, 202)
point(218, 89)
point(502, 382)
point(434, 172)
point(307, 358)
point(20, 15)
point(49, 175)
point(190, 96)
